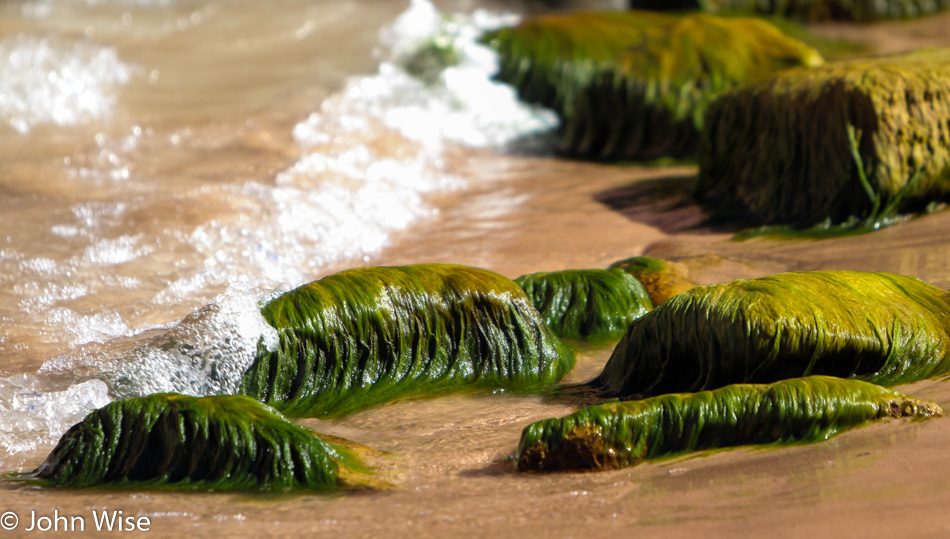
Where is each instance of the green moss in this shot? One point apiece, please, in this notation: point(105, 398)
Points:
point(811, 10)
point(365, 336)
point(618, 434)
point(592, 304)
point(226, 443)
point(882, 328)
point(431, 58)
point(661, 279)
point(847, 142)
point(635, 85)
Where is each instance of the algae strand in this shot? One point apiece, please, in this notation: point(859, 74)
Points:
point(851, 142)
point(219, 443)
point(882, 328)
point(635, 85)
point(369, 335)
point(619, 434)
point(593, 304)
point(810, 10)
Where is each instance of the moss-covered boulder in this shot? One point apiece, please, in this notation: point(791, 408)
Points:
point(662, 279)
point(619, 434)
point(844, 141)
point(635, 85)
point(365, 336)
point(882, 328)
point(221, 443)
point(809, 10)
point(593, 304)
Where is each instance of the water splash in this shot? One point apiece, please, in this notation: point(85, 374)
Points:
point(204, 354)
point(367, 161)
point(370, 157)
point(36, 414)
point(45, 80)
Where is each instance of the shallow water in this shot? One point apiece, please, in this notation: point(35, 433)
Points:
point(223, 150)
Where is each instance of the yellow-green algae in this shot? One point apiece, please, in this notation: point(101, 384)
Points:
point(369, 335)
point(662, 279)
point(592, 304)
point(635, 85)
point(619, 434)
point(809, 10)
point(848, 141)
point(217, 443)
point(883, 328)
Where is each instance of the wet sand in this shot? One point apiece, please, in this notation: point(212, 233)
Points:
point(446, 457)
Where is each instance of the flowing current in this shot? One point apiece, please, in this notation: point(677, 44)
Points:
point(167, 165)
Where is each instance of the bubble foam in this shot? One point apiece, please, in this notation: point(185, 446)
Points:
point(55, 81)
point(35, 414)
point(206, 353)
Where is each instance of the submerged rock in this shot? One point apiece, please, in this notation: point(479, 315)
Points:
point(586, 304)
point(882, 328)
point(227, 443)
point(635, 85)
point(369, 335)
point(844, 141)
point(618, 434)
point(662, 279)
point(810, 10)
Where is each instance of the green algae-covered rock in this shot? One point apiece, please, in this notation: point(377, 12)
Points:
point(586, 304)
point(810, 10)
point(618, 434)
point(662, 279)
point(882, 328)
point(635, 85)
point(779, 151)
point(222, 443)
point(365, 336)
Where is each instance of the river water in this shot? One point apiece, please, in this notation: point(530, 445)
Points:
point(166, 164)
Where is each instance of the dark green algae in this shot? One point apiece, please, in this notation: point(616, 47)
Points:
point(217, 443)
point(809, 10)
point(365, 336)
point(878, 327)
point(590, 304)
point(853, 143)
point(635, 85)
point(619, 434)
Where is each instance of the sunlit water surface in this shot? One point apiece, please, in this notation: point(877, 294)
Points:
point(165, 165)
point(158, 156)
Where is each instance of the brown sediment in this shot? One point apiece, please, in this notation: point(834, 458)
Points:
point(662, 279)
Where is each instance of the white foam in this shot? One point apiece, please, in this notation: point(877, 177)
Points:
point(85, 328)
point(48, 289)
point(35, 415)
point(369, 157)
point(462, 106)
point(204, 354)
point(57, 81)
